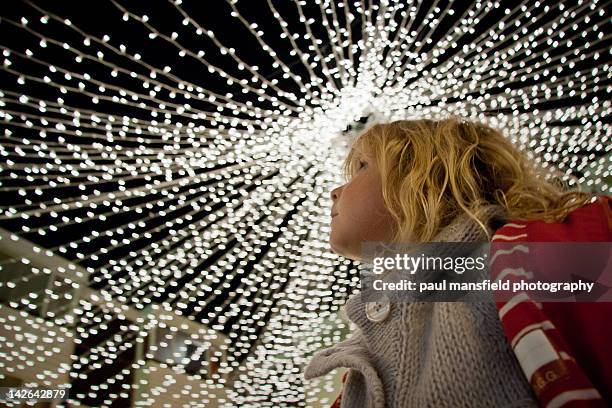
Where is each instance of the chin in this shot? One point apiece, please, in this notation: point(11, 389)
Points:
point(344, 252)
point(336, 249)
point(333, 248)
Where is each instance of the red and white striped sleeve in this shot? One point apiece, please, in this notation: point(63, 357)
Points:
point(544, 356)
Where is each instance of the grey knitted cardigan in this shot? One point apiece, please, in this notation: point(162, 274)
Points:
point(429, 354)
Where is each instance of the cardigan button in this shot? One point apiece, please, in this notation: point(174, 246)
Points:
point(378, 311)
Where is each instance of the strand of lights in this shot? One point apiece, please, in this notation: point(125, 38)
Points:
point(211, 197)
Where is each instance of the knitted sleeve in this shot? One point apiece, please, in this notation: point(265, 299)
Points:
point(363, 386)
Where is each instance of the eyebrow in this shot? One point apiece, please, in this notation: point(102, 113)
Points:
point(364, 156)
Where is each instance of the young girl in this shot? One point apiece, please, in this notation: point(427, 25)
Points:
point(444, 181)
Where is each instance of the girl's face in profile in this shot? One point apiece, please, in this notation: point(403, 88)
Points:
point(358, 211)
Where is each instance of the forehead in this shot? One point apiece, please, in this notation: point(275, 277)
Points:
point(362, 146)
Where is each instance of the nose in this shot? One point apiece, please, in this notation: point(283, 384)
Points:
point(335, 193)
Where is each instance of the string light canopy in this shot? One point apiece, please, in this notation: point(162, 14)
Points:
point(179, 155)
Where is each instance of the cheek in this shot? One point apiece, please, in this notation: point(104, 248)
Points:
point(365, 202)
point(366, 215)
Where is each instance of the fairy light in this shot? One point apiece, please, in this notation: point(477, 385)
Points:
point(200, 205)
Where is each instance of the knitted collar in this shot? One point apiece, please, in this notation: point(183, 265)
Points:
point(462, 228)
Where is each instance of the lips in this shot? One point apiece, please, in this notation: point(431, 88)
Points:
point(334, 214)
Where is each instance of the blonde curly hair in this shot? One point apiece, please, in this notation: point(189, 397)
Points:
point(434, 170)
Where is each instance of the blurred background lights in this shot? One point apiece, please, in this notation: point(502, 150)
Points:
point(166, 169)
